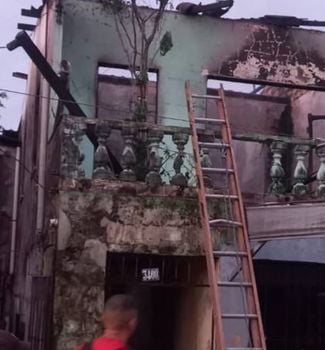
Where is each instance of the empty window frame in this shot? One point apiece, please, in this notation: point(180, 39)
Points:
point(117, 94)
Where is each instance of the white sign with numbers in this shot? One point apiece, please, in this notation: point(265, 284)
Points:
point(150, 275)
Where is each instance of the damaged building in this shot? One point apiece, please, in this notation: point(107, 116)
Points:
point(110, 203)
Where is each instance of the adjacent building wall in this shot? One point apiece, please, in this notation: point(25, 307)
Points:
point(249, 113)
point(7, 166)
point(29, 286)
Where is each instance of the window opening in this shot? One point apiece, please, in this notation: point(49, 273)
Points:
point(117, 97)
point(117, 94)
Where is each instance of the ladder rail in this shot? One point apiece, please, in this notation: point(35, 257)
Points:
point(236, 204)
point(213, 281)
point(238, 209)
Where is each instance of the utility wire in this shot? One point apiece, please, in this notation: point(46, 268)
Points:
point(119, 111)
point(23, 165)
point(79, 103)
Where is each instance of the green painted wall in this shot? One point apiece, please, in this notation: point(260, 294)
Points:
point(201, 45)
point(90, 37)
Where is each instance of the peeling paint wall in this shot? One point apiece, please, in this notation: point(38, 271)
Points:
point(127, 222)
point(194, 320)
point(278, 54)
point(31, 251)
point(311, 102)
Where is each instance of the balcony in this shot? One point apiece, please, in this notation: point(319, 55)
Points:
point(161, 155)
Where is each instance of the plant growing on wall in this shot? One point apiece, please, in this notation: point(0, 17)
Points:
point(137, 29)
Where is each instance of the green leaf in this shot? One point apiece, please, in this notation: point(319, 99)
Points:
point(166, 43)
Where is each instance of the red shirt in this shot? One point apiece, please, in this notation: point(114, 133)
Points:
point(104, 343)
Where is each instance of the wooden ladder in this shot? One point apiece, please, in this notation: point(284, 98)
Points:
point(233, 330)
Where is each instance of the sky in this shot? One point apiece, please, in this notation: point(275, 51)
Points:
point(17, 61)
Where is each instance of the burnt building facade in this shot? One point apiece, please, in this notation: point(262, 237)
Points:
point(111, 205)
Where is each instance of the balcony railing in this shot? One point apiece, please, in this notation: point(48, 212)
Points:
point(166, 158)
point(163, 160)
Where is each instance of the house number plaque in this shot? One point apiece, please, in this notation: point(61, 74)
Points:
point(150, 275)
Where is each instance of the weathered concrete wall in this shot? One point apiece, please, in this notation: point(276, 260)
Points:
point(32, 248)
point(126, 222)
point(7, 166)
point(310, 102)
point(115, 217)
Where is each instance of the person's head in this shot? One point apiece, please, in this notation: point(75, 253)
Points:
point(120, 315)
point(9, 342)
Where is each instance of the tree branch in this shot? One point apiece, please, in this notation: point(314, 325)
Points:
point(126, 31)
point(135, 39)
point(126, 51)
point(157, 21)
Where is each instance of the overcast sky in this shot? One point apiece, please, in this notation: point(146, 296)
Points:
point(17, 61)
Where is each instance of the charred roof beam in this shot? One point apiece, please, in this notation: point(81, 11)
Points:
point(216, 9)
point(23, 40)
point(32, 12)
point(289, 21)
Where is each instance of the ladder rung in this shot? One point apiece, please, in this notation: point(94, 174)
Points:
point(210, 120)
point(213, 144)
point(235, 284)
point(218, 170)
point(220, 196)
point(238, 316)
point(229, 253)
point(224, 222)
point(209, 97)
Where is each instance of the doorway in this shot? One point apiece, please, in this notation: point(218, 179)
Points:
point(174, 309)
point(292, 304)
point(157, 316)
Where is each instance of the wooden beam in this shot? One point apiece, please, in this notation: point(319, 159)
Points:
point(275, 222)
point(169, 130)
point(119, 125)
point(25, 26)
point(20, 75)
point(32, 12)
point(262, 138)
